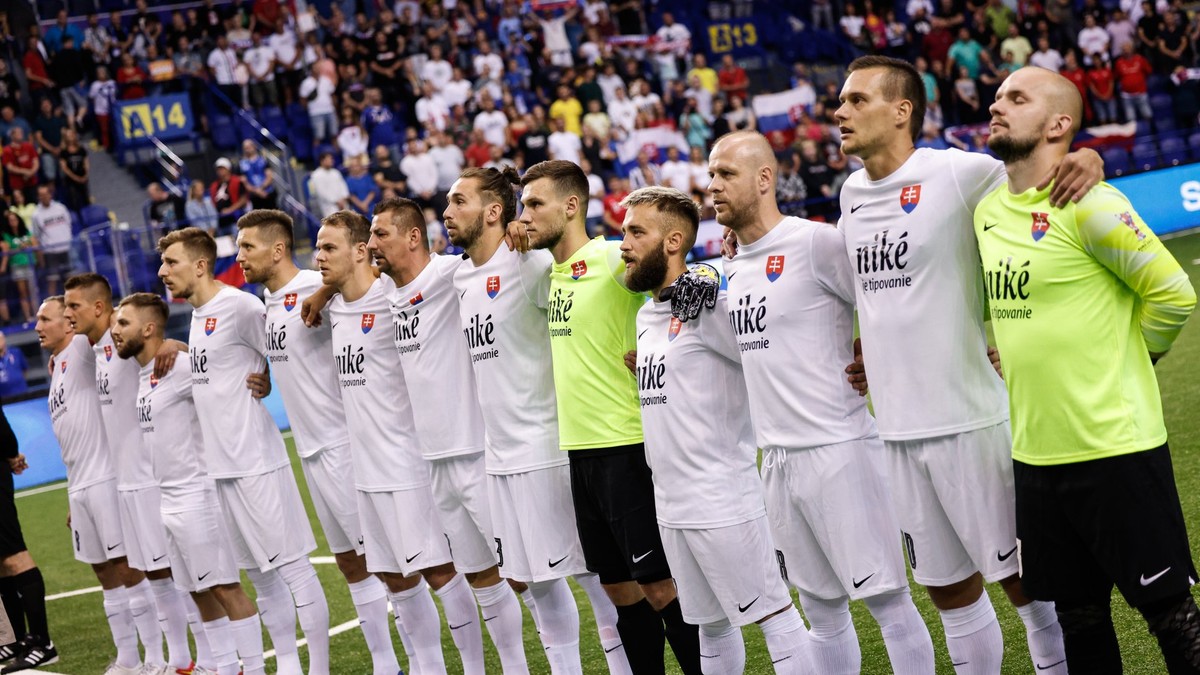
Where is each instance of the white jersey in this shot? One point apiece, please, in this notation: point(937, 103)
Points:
point(791, 305)
point(503, 307)
point(383, 437)
point(171, 433)
point(75, 415)
point(699, 440)
point(229, 343)
point(436, 362)
point(117, 385)
point(305, 373)
point(910, 239)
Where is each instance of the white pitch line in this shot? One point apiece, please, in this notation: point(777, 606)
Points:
point(316, 560)
point(39, 490)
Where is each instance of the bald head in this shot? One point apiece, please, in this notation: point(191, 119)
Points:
point(750, 149)
point(1060, 95)
point(743, 170)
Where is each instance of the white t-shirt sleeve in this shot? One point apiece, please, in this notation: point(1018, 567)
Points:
point(977, 175)
point(535, 277)
point(251, 325)
point(719, 334)
point(830, 264)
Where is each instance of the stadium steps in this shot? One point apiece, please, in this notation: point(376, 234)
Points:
point(115, 188)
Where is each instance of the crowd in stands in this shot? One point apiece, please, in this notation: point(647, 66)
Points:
point(399, 97)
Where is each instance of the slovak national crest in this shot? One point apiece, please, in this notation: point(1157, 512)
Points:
point(1041, 225)
point(774, 267)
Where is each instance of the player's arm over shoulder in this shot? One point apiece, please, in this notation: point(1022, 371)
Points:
point(1116, 236)
point(975, 174)
point(830, 262)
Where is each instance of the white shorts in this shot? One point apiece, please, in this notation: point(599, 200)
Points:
point(96, 523)
point(142, 524)
point(534, 521)
point(462, 502)
point(956, 505)
point(265, 519)
point(832, 520)
point(198, 546)
point(402, 531)
point(330, 478)
point(727, 573)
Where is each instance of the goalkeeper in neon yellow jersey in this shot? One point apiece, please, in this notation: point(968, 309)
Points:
point(1083, 300)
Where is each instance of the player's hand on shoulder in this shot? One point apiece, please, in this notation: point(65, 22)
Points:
point(729, 244)
point(994, 357)
point(164, 360)
point(310, 309)
point(631, 360)
point(695, 290)
point(1074, 177)
point(856, 372)
point(517, 237)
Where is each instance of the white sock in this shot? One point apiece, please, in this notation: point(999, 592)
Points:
point(406, 643)
point(909, 647)
point(722, 651)
point(787, 642)
point(559, 617)
point(1045, 637)
point(833, 643)
point(462, 616)
point(527, 598)
point(278, 614)
point(502, 616)
point(120, 622)
point(370, 601)
point(247, 635)
point(204, 653)
point(144, 611)
point(415, 609)
point(973, 638)
point(172, 619)
point(606, 624)
point(312, 609)
point(223, 657)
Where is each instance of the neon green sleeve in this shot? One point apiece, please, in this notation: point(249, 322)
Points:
point(1116, 236)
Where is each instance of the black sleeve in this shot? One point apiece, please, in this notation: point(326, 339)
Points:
point(8, 440)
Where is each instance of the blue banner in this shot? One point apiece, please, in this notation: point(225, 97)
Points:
point(168, 117)
point(1168, 200)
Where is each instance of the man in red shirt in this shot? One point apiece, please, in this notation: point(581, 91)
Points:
point(614, 213)
point(1103, 88)
point(478, 152)
point(21, 164)
point(1078, 77)
point(1132, 69)
point(733, 79)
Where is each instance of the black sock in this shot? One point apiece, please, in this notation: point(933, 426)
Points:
point(641, 630)
point(12, 606)
point(1089, 639)
point(684, 638)
point(1176, 625)
point(32, 588)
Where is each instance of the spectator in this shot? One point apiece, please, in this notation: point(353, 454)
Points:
point(21, 164)
point(676, 173)
point(17, 244)
point(259, 177)
point(131, 78)
point(432, 111)
point(595, 207)
point(1000, 19)
point(673, 42)
point(57, 34)
point(499, 162)
point(1017, 45)
point(364, 193)
point(695, 128)
point(698, 161)
point(597, 120)
point(1078, 77)
point(1093, 40)
point(614, 213)
point(1148, 27)
point(10, 87)
point(76, 170)
point(1102, 89)
point(387, 173)
point(1046, 56)
point(199, 209)
point(289, 63)
point(740, 117)
point(554, 35)
point(450, 161)
point(229, 195)
point(645, 173)
point(966, 96)
point(930, 138)
point(790, 189)
point(23, 208)
point(102, 94)
point(1173, 46)
point(720, 124)
point(966, 52)
point(622, 111)
point(12, 362)
point(69, 71)
point(1121, 31)
point(563, 144)
point(260, 61)
point(733, 79)
point(1131, 71)
point(164, 207)
point(478, 152)
point(609, 81)
point(422, 173)
point(493, 123)
point(10, 120)
point(352, 141)
point(818, 178)
point(377, 120)
point(707, 76)
point(458, 90)
point(52, 224)
point(327, 187)
point(48, 129)
point(317, 91)
point(37, 73)
point(568, 109)
point(852, 26)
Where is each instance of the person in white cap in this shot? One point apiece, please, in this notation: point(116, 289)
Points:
point(228, 195)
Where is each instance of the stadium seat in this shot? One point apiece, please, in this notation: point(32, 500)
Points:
point(93, 214)
point(1174, 151)
point(272, 118)
point(1164, 121)
point(1145, 156)
point(1194, 144)
point(246, 128)
point(224, 135)
point(1116, 161)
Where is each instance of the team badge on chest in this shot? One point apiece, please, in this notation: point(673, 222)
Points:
point(673, 329)
point(108, 352)
point(368, 322)
point(1041, 225)
point(493, 286)
point(210, 325)
point(289, 301)
point(578, 269)
point(910, 196)
point(774, 267)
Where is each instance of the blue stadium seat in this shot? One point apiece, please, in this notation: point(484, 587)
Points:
point(245, 128)
point(93, 214)
point(272, 118)
point(1145, 156)
point(1194, 144)
point(224, 135)
point(1164, 121)
point(296, 114)
point(1174, 151)
point(1116, 161)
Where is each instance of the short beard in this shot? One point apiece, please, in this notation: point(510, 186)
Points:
point(1011, 150)
point(466, 238)
point(649, 272)
point(130, 347)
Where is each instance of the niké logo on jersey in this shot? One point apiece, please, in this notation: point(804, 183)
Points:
point(479, 332)
point(749, 317)
point(406, 326)
point(910, 196)
point(882, 255)
point(1041, 225)
point(774, 267)
point(108, 352)
point(493, 286)
point(144, 415)
point(102, 383)
point(289, 301)
point(276, 337)
point(578, 269)
point(652, 372)
point(673, 329)
point(368, 322)
point(199, 361)
point(210, 325)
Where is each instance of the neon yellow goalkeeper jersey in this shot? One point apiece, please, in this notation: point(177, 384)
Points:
point(1078, 298)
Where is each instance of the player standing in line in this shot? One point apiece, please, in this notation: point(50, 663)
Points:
point(700, 447)
point(404, 538)
point(202, 558)
point(502, 306)
point(157, 601)
point(1084, 299)
point(826, 492)
point(93, 514)
point(299, 359)
point(942, 411)
point(244, 452)
point(435, 361)
point(592, 317)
